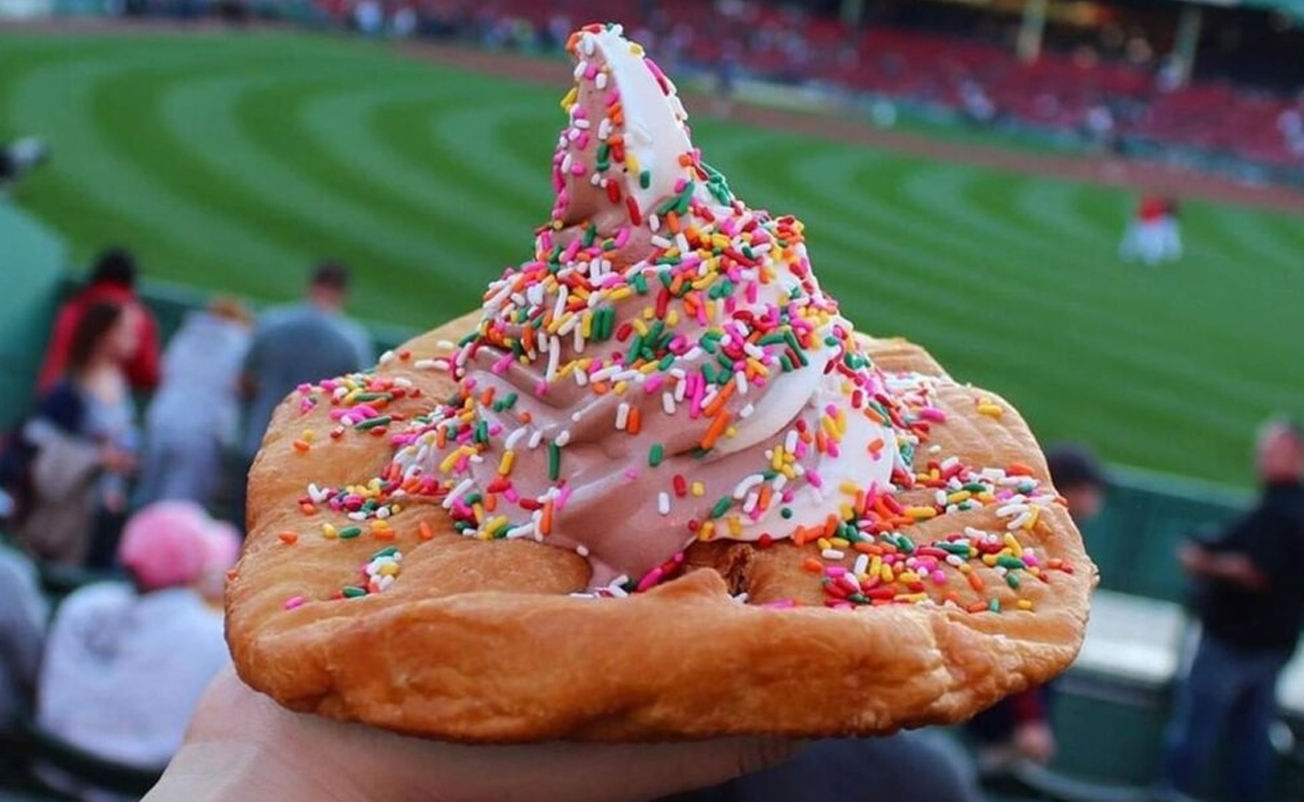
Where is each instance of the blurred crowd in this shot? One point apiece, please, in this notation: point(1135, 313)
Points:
point(124, 501)
point(1107, 92)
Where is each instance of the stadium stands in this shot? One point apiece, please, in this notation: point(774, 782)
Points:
point(979, 78)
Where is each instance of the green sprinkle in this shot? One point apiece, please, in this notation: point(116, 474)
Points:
point(388, 551)
point(1012, 580)
point(1011, 562)
point(655, 455)
point(645, 179)
point(554, 461)
point(353, 592)
point(721, 506)
point(786, 512)
point(350, 532)
point(372, 423)
point(994, 605)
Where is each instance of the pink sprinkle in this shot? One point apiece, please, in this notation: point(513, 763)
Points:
point(577, 168)
point(582, 141)
point(631, 474)
point(939, 577)
point(293, 602)
point(782, 604)
point(511, 495)
point(650, 579)
point(835, 571)
point(622, 236)
point(932, 414)
point(500, 367)
point(563, 497)
point(653, 383)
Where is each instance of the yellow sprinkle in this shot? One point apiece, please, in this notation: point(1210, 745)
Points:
point(990, 409)
point(840, 542)
point(329, 531)
point(1012, 543)
point(648, 314)
point(845, 511)
point(1025, 604)
point(672, 318)
point(631, 161)
point(707, 530)
point(908, 576)
point(639, 327)
point(731, 431)
point(699, 490)
point(885, 572)
point(1032, 520)
point(912, 598)
point(505, 465)
point(989, 560)
point(621, 294)
point(965, 568)
point(777, 462)
point(875, 565)
point(958, 496)
point(824, 543)
point(735, 526)
point(849, 487)
point(388, 569)
point(570, 98)
point(308, 435)
point(586, 325)
point(921, 513)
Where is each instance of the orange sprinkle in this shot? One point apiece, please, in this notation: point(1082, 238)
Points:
point(302, 446)
point(976, 582)
point(672, 220)
point(383, 533)
point(976, 607)
point(545, 522)
point(720, 398)
point(813, 565)
point(425, 531)
point(601, 388)
point(307, 508)
point(634, 422)
point(712, 434)
point(1018, 469)
point(491, 502)
point(289, 538)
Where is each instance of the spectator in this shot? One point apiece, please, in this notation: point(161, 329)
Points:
point(22, 628)
point(300, 343)
point(78, 449)
point(126, 663)
point(1250, 604)
point(1018, 727)
point(195, 413)
point(18, 158)
point(112, 280)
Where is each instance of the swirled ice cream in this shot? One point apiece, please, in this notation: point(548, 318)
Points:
point(665, 369)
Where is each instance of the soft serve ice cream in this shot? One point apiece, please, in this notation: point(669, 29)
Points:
point(665, 369)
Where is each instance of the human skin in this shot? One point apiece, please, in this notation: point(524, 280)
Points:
point(243, 746)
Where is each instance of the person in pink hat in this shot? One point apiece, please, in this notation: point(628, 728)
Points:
point(126, 662)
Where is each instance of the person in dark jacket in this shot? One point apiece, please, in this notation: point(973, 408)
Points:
point(112, 281)
point(1250, 604)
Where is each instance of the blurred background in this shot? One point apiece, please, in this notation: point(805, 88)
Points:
point(1096, 208)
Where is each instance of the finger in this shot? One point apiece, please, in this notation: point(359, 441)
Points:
point(572, 772)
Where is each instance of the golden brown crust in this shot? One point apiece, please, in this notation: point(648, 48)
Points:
point(481, 642)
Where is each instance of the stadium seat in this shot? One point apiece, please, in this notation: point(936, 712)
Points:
point(38, 747)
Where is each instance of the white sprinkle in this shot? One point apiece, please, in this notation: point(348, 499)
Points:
point(933, 449)
point(600, 81)
point(581, 378)
point(580, 123)
point(741, 598)
point(535, 439)
point(563, 439)
point(940, 497)
point(554, 357)
point(659, 241)
point(790, 442)
point(832, 554)
point(750, 504)
point(955, 560)
point(431, 364)
point(747, 483)
point(583, 551)
point(514, 438)
point(622, 416)
point(604, 127)
point(740, 378)
point(580, 67)
point(668, 403)
point(516, 532)
point(358, 516)
point(663, 503)
point(746, 412)
point(386, 358)
point(445, 345)
point(862, 564)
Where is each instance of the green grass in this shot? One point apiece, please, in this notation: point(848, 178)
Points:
point(232, 162)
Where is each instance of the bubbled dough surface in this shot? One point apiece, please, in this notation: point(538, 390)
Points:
point(479, 642)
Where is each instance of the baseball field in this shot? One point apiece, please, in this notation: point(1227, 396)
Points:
point(232, 161)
